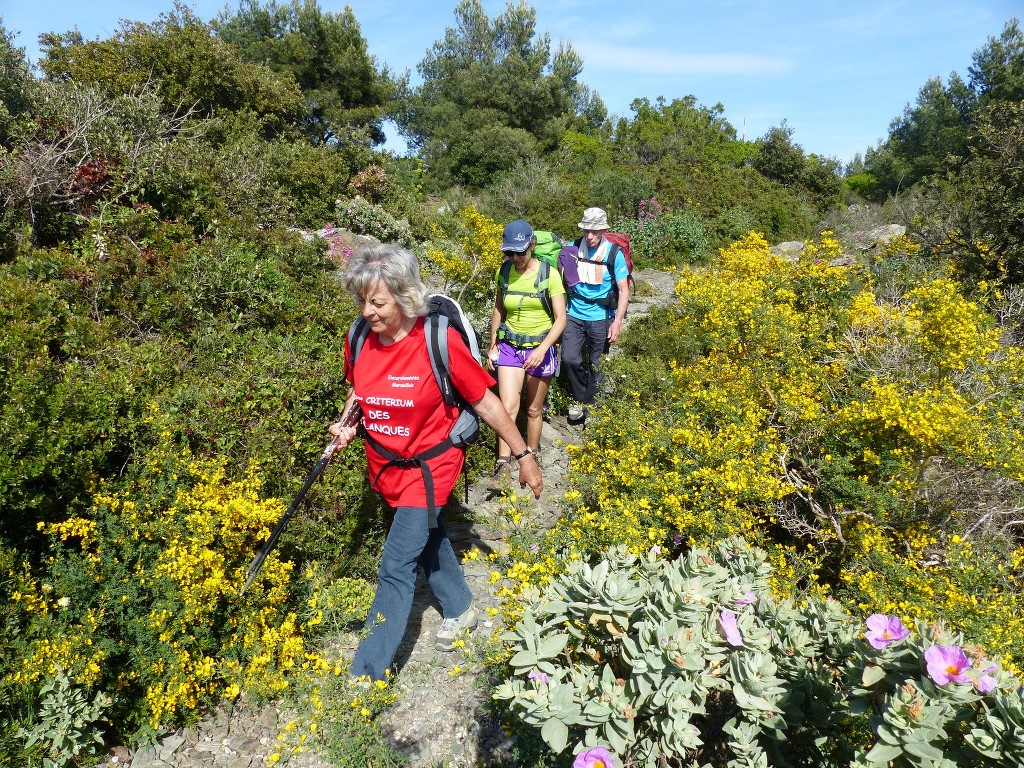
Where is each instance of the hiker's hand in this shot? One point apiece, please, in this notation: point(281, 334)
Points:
point(492, 357)
point(530, 475)
point(342, 435)
point(614, 330)
point(536, 358)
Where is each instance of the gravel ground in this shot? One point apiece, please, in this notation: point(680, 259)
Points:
point(440, 718)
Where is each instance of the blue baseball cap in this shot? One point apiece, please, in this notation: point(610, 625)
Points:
point(518, 236)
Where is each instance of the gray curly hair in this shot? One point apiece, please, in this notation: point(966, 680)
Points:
point(397, 268)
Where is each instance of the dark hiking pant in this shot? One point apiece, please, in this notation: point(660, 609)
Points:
point(584, 342)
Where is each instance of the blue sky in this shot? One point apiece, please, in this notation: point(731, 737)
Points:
point(836, 72)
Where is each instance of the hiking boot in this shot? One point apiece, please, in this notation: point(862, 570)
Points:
point(536, 457)
point(575, 410)
point(444, 640)
point(502, 477)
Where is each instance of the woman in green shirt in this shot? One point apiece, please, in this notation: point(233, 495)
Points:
point(528, 318)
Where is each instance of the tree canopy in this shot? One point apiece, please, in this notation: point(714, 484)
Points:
point(493, 95)
point(325, 54)
point(179, 54)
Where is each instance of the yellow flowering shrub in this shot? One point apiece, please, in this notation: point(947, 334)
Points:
point(465, 253)
point(791, 403)
point(142, 598)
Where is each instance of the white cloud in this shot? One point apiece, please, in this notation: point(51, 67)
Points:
point(601, 57)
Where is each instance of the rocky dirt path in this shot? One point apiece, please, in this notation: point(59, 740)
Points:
point(440, 718)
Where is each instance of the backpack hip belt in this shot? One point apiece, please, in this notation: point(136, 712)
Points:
point(419, 461)
point(609, 300)
point(519, 339)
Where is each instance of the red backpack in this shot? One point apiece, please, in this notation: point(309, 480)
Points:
point(621, 239)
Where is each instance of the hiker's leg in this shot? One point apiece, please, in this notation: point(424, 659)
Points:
point(444, 572)
point(510, 389)
point(396, 583)
point(573, 340)
point(536, 394)
point(597, 337)
point(537, 382)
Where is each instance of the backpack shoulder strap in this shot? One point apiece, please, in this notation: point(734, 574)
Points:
point(503, 275)
point(613, 252)
point(435, 328)
point(357, 334)
point(544, 294)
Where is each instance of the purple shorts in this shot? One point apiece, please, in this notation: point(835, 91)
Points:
point(511, 355)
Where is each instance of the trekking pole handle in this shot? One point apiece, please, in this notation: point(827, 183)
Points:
point(350, 419)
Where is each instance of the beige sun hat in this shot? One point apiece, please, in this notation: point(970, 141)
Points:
point(594, 218)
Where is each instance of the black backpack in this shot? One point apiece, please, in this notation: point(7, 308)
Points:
point(443, 312)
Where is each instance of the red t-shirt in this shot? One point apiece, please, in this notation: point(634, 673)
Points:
point(403, 410)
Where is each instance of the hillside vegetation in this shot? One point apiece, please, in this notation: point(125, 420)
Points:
point(793, 446)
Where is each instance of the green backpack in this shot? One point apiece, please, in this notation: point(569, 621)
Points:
point(547, 247)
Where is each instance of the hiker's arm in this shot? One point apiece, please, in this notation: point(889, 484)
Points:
point(620, 311)
point(536, 356)
point(344, 434)
point(490, 409)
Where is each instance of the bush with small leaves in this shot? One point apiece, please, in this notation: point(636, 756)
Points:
point(365, 218)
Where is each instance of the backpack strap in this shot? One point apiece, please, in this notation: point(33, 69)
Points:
point(611, 299)
point(544, 279)
point(357, 334)
point(541, 283)
point(505, 333)
point(419, 461)
point(435, 326)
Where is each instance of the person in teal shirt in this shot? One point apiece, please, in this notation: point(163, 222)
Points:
point(528, 318)
point(596, 311)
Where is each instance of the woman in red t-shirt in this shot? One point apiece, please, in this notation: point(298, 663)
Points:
point(404, 413)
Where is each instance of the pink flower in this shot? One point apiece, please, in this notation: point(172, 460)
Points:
point(540, 677)
point(883, 630)
point(727, 621)
point(947, 664)
point(986, 683)
point(598, 757)
point(748, 598)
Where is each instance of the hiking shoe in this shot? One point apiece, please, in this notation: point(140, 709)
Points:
point(502, 477)
point(444, 640)
point(575, 410)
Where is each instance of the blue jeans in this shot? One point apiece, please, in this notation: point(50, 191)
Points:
point(583, 344)
point(410, 542)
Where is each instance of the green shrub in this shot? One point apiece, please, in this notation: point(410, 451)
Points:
point(70, 727)
point(139, 597)
point(365, 218)
point(664, 238)
point(693, 662)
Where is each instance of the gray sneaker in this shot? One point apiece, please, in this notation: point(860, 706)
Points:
point(444, 640)
point(575, 410)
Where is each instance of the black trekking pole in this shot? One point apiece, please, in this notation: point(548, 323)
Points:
point(350, 420)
